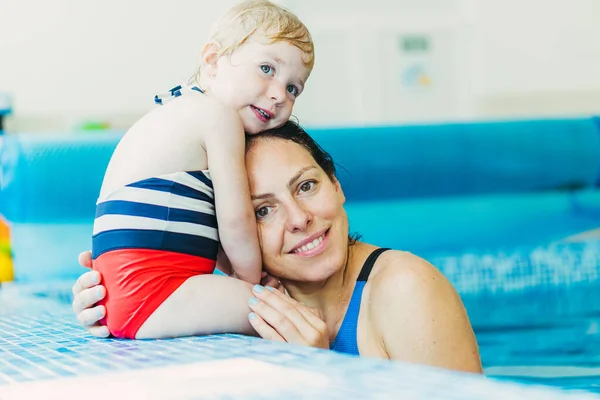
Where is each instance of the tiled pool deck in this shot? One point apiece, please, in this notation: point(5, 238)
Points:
point(44, 353)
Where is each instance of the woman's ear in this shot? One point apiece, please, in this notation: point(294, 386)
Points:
point(338, 190)
point(209, 59)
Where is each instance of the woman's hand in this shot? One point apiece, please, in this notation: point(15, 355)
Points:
point(267, 279)
point(280, 318)
point(224, 265)
point(87, 291)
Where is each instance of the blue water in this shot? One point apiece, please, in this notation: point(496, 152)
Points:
point(535, 308)
point(545, 336)
point(535, 313)
point(549, 337)
point(41, 345)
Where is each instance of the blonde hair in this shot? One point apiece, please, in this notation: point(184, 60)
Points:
point(265, 18)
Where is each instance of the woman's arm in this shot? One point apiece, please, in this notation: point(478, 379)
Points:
point(87, 291)
point(419, 317)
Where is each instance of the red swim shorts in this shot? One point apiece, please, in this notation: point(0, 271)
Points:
point(137, 281)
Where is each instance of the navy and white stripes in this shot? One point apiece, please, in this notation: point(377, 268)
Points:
point(173, 212)
point(175, 92)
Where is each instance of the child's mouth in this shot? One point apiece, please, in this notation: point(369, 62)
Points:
point(262, 115)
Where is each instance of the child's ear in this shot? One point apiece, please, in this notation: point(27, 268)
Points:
point(209, 59)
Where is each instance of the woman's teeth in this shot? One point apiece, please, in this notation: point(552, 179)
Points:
point(311, 245)
point(263, 113)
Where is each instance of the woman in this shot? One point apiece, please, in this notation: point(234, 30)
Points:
point(344, 294)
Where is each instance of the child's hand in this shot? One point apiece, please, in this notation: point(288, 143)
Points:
point(270, 280)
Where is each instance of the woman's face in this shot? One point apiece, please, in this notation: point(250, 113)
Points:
point(302, 224)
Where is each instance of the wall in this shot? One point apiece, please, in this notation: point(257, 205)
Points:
point(363, 76)
point(68, 61)
point(538, 57)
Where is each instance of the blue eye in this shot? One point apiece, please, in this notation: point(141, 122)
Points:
point(293, 90)
point(267, 69)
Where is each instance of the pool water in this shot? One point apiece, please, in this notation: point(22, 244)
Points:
point(537, 327)
point(45, 354)
point(535, 312)
point(550, 337)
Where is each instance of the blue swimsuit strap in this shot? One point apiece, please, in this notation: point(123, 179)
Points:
point(345, 340)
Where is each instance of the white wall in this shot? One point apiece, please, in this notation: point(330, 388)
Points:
point(358, 78)
point(67, 61)
point(70, 60)
point(537, 57)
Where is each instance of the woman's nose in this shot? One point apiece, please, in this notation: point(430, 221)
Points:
point(298, 217)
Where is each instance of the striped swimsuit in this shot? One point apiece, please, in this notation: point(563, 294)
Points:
point(149, 238)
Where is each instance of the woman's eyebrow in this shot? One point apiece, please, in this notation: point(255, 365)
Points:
point(290, 183)
point(261, 196)
point(299, 174)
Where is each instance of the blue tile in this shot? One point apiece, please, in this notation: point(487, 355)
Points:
point(48, 343)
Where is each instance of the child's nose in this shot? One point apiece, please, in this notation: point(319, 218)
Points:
point(277, 92)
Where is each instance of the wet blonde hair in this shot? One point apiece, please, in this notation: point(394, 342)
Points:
point(264, 19)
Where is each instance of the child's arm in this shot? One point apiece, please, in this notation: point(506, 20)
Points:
point(225, 149)
point(223, 263)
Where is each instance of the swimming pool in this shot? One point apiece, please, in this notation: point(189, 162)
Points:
point(489, 213)
point(541, 327)
point(543, 324)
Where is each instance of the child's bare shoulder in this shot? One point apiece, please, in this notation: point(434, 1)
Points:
point(201, 111)
point(189, 117)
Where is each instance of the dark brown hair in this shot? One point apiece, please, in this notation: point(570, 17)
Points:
point(293, 132)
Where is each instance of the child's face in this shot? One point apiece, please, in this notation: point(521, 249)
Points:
point(261, 81)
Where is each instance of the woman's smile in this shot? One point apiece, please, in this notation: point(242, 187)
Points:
point(312, 246)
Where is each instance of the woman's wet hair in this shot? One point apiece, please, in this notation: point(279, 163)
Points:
point(293, 132)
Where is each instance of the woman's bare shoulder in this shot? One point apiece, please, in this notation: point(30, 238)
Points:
point(417, 314)
point(395, 267)
point(400, 277)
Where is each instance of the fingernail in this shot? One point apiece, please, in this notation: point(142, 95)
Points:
point(105, 331)
point(270, 288)
point(252, 301)
point(99, 313)
point(98, 292)
point(96, 279)
point(251, 316)
point(258, 288)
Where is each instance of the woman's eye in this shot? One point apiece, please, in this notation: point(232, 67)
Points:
point(267, 69)
point(307, 186)
point(262, 212)
point(293, 90)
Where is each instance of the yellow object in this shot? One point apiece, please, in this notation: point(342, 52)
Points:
point(4, 231)
point(6, 264)
point(6, 268)
point(424, 80)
